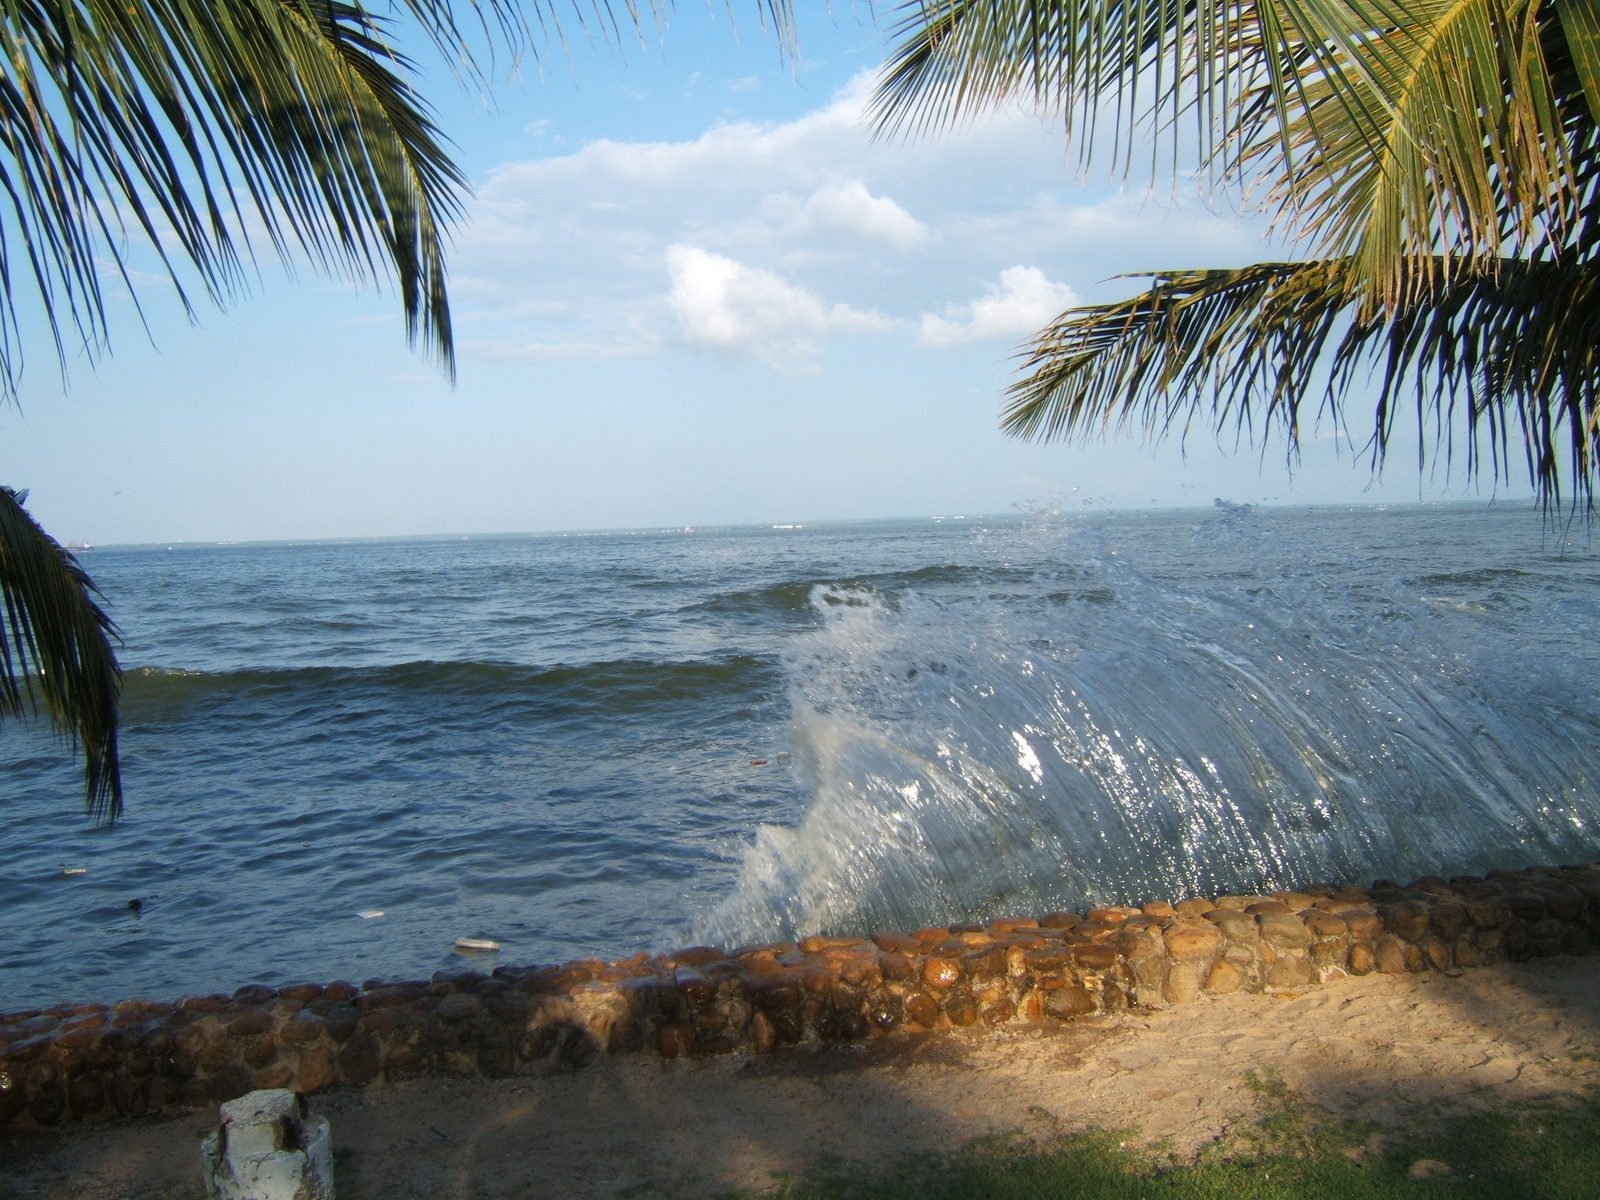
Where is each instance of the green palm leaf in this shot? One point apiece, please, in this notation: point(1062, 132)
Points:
point(1486, 360)
point(56, 649)
point(1441, 157)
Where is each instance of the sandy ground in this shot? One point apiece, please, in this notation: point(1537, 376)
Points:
point(1383, 1048)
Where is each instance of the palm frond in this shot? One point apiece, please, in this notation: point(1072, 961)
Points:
point(174, 120)
point(1408, 135)
point(56, 650)
point(1493, 361)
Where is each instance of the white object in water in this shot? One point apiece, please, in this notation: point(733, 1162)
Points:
point(74, 870)
point(267, 1147)
point(370, 914)
point(479, 945)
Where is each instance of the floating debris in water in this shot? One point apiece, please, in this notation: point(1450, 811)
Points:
point(477, 945)
point(74, 871)
point(370, 914)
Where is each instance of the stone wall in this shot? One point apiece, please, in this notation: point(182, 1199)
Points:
point(95, 1062)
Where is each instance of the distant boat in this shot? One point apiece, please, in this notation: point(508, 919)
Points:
point(1230, 506)
point(78, 547)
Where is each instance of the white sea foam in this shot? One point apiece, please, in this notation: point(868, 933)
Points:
point(1102, 734)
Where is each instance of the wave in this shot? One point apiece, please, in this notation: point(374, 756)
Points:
point(152, 693)
point(1143, 737)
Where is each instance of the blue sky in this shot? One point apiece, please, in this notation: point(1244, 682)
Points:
point(691, 288)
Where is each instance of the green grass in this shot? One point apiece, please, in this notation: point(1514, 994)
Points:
point(1293, 1151)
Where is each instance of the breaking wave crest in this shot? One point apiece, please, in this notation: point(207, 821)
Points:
point(1113, 735)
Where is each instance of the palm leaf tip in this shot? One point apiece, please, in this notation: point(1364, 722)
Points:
point(56, 650)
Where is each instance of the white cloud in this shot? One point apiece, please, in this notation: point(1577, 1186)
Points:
point(815, 216)
point(1019, 302)
point(851, 208)
point(728, 305)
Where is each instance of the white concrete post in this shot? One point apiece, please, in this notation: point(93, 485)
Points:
point(268, 1148)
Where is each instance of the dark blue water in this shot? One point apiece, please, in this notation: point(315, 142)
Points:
point(602, 743)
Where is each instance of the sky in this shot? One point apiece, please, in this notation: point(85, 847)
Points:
point(691, 287)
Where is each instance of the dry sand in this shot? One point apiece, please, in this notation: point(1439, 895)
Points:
point(1382, 1047)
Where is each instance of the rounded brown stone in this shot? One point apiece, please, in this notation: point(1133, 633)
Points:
point(1438, 952)
point(895, 965)
point(254, 993)
point(763, 1036)
point(1290, 971)
point(1046, 960)
point(249, 1024)
point(206, 1004)
point(1064, 1003)
point(675, 1040)
point(341, 1022)
point(278, 1075)
point(260, 1052)
point(1448, 920)
point(1195, 906)
point(1111, 914)
point(1238, 903)
point(1095, 956)
point(1323, 925)
point(1059, 920)
point(789, 1027)
point(1159, 908)
point(1390, 956)
point(1224, 978)
point(896, 943)
point(922, 1008)
point(1565, 903)
point(75, 1039)
point(1284, 931)
point(86, 1096)
point(1183, 983)
point(1236, 927)
point(358, 1060)
point(1136, 944)
point(1527, 906)
point(315, 1069)
point(1405, 919)
point(1363, 959)
point(47, 1105)
point(961, 1008)
point(300, 1029)
point(1012, 924)
point(1467, 953)
point(1273, 907)
point(998, 1011)
point(984, 964)
point(129, 1096)
point(941, 972)
point(1363, 921)
point(862, 972)
point(776, 993)
point(1193, 941)
point(459, 1007)
point(389, 996)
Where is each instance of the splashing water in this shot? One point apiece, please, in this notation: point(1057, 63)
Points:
point(1104, 733)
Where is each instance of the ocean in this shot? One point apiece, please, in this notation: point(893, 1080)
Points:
point(340, 757)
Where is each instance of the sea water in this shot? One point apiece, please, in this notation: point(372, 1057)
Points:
point(341, 757)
